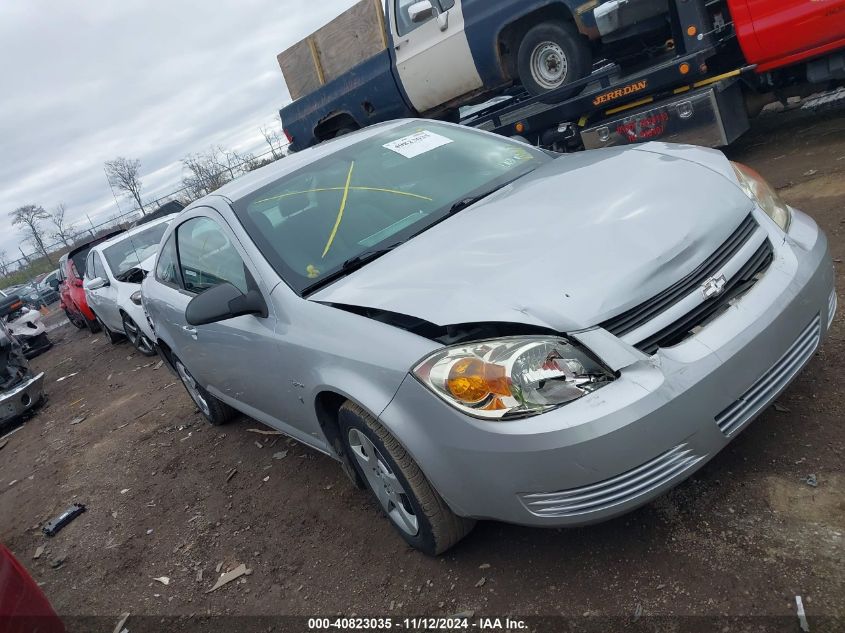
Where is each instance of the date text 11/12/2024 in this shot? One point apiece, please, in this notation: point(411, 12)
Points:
point(454, 623)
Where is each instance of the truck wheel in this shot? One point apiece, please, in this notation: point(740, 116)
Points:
point(414, 508)
point(551, 55)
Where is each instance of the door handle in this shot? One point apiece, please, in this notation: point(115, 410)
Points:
point(401, 44)
point(190, 330)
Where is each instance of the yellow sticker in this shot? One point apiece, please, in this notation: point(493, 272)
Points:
point(312, 271)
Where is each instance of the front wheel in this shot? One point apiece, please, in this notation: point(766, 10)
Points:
point(76, 321)
point(137, 338)
point(552, 55)
point(412, 505)
point(214, 411)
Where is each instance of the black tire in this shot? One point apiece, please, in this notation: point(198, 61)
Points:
point(216, 412)
point(137, 338)
point(77, 322)
point(438, 528)
point(348, 129)
point(539, 49)
point(93, 326)
point(112, 337)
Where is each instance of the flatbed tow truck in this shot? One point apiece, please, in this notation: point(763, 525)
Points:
point(690, 95)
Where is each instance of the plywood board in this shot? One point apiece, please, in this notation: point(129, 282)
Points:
point(349, 39)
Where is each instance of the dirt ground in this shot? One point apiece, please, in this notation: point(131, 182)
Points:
point(742, 538)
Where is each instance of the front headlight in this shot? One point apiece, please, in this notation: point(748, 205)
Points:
point(761, 192)
point(511, 377)
point(135, 297)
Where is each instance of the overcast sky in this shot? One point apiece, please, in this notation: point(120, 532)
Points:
point(84, 82)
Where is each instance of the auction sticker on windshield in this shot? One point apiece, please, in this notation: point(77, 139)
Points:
point(417, 143)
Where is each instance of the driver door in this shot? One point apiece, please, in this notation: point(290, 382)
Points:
point(433, 57)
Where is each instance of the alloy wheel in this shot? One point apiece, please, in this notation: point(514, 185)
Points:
point(384, 483)
point(193, 388)
point(136, 337)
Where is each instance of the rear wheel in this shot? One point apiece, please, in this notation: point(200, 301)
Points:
point(112, 337)
point(412, 505)
point(214, 411)
point(552, 55)
point(137, 338)
point(76, 321)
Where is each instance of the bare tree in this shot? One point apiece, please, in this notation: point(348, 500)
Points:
point(124, 175)
point(4, 263)
point(61, 231)
point(29, 218)
point(205, 172)
point(274, 140)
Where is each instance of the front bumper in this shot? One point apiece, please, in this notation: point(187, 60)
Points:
point(662, 419)
point(21, 398)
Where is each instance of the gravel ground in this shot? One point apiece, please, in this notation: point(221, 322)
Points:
point(742, 538)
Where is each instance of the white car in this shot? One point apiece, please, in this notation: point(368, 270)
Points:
point(113, 275)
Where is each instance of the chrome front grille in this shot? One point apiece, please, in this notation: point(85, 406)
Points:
point(674, 314)
point(770, 384)
point(615, 491)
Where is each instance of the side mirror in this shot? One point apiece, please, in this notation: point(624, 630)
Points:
point(421, 11)
point(224, 302)
point(95, 284)
point(54, 284)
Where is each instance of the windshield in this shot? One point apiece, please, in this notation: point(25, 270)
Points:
point(133, 249)
point(374, 194)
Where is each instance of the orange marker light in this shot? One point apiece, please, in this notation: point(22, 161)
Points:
point(691, 31)
point(520, 127)
point(472, 380)
point(684, 68)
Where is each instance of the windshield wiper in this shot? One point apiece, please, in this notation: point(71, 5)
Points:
point(350, 265)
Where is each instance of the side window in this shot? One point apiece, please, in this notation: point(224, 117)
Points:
point(207, 258)
point(99, 269)
point(404, 24)
point(89, 266)
point(166, 268)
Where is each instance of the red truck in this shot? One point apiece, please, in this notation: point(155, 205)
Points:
point(722, 61)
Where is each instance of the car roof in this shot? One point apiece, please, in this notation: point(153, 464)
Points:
point(251, 182)
point(90, 243)
point(133, 231)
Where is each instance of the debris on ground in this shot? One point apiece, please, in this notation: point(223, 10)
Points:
point(262, 432)
point(124, 491)
point(164, 580)
point(231, 474)
point(780, 408)
point(38, 551)
point(279, 455)
point(484, 566)
point(638, 612)
point(811, 480)
point(259, 444)
point(63, 378)
point(481, 582)
point(78, 420)
point(121, 622)
point(802, 617)
point(218, 568)
point(228, 577)
point(53, 527)
point(58, 561)
point(199, 575)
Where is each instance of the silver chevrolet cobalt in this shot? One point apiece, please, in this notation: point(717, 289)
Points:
point(476, 329)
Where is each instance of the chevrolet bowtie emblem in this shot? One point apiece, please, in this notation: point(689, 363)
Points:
point(714, 286)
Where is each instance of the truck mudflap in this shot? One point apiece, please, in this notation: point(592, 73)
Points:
point(712, 116)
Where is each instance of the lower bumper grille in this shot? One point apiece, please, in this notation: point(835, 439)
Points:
point(615, 491)
point(831, 308)
point(770, 384)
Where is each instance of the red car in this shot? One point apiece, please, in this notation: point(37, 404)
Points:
point(23, 606)
point(69, 284)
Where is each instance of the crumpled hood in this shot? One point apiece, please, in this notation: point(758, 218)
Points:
point(574, 243)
